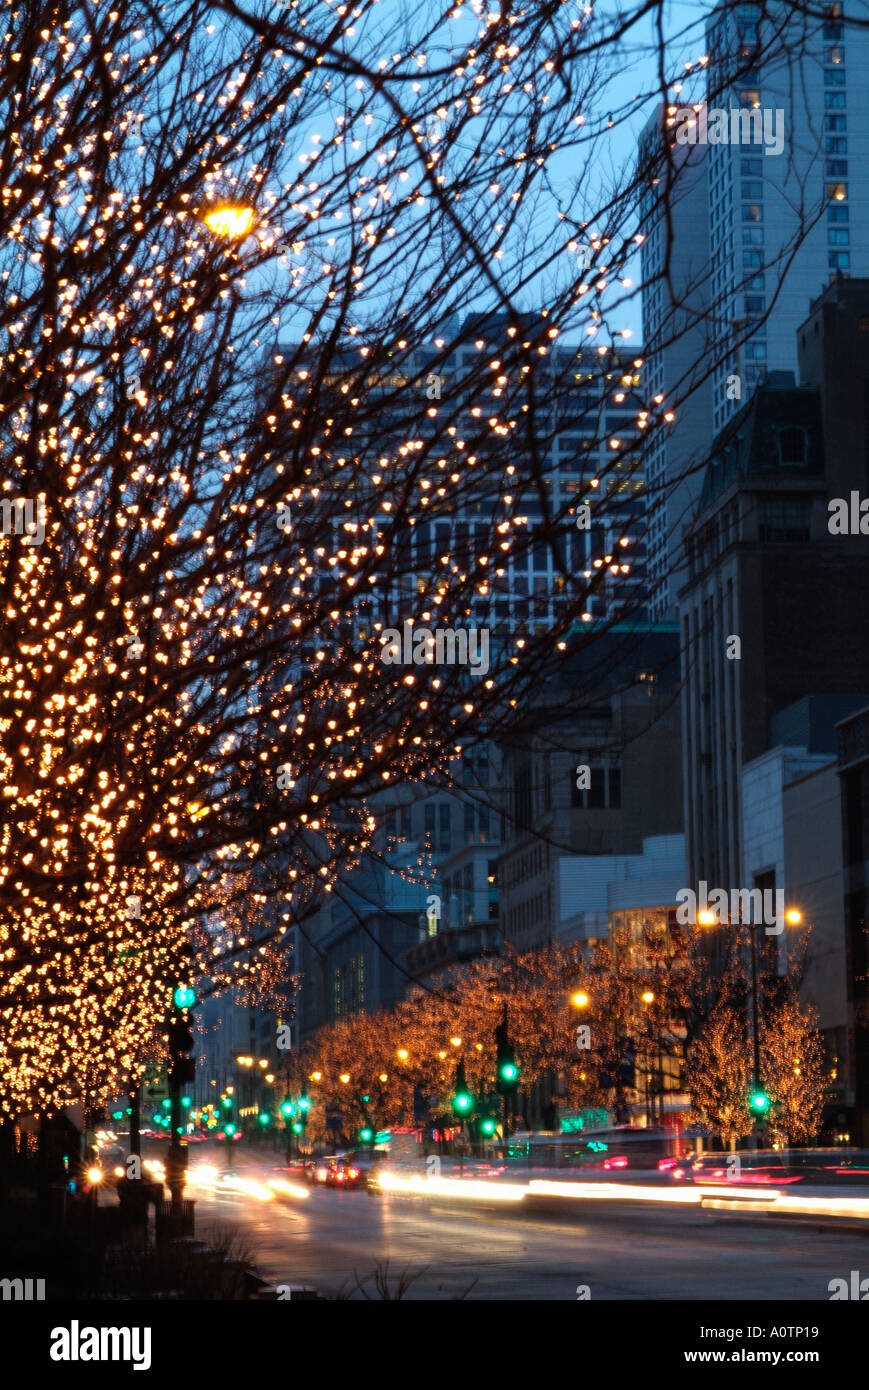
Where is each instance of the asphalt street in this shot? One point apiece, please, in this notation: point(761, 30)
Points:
point(335, 1240)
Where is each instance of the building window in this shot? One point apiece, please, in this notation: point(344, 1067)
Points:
point(752, 212)
point(837, 168)
point(838, 236)
point(784, 520)
point(445, 828)
point(469, 823)
point(604, 793)
point(615, 788)
point(836, 144)
point(793, 447)
point(834, 77)
point(838, 123)
point(834, 101)
point(839, 260)
point(755, 190)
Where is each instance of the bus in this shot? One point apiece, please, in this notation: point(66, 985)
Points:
point(614, 1150)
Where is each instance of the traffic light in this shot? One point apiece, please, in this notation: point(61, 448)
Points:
point(184, 997)
point(506, 1066)
point(366, 1134)
point(488, 1126)
point(264, 1117)
point(759, 1101)
point(304, 1103)
point(288, 1109)
point(463, 1101)
point(181, 1067)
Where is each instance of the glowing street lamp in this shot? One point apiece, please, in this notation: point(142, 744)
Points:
point(580, 999)
point(793, 916)
point(648, 997)
point(231, 221)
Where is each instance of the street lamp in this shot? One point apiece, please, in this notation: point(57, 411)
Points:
point(580, 1000)
point(231, 221)
point(648, 997)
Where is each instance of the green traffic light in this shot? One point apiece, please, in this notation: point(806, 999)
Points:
point(463, 1102)
point(186, 1100)
point(227, 1102)
point(304, 1103)
point(759, 1100)
point(117, 1114)
point(488, 1126)
point(509, 1071)
point(184, 997)
point(298, 1127)
point(287, 1109)
point(166, 1104)
point(229, 1129)
point(366, 1135)
point(264, 1117)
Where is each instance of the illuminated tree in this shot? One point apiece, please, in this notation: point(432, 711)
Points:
point(792, 1069)
point(719, 1075)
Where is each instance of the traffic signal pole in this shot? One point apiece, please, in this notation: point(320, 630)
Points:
point(175, 1159)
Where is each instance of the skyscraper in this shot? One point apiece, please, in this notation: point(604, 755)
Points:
point(776, 226)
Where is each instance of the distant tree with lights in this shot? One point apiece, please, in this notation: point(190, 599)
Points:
point(792, 1068)
point(718, 1075)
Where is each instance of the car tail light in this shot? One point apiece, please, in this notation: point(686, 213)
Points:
point(353, 1172)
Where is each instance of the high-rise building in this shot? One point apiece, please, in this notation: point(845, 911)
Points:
point(782, 223)
point(674, 259)
point(775, 597)
point(778, 210)
point(353, 950)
